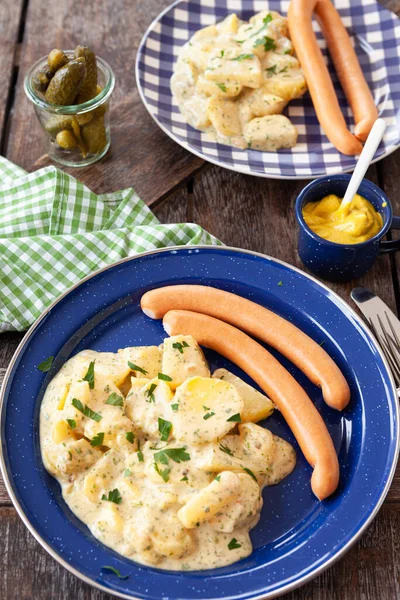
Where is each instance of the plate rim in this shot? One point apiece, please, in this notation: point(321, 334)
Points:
point(237, 169)
point(286, 588)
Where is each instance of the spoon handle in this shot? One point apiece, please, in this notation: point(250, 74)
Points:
point(367, 154)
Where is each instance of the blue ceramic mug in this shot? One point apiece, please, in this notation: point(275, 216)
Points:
point(341, 262)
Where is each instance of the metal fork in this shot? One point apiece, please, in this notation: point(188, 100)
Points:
point(384, 325)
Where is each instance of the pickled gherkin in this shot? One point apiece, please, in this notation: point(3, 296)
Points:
point(42, 79)
point(66, 83)
point(58, 123)
point(56, 59)
point(89, 86)
point(94, 135)
point(66, 139)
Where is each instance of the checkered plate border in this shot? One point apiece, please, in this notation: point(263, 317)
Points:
point(376, 35)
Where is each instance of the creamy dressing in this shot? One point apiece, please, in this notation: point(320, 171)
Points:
point(233, 79)
point(162, 470)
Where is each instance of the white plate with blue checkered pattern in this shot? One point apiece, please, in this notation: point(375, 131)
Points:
point(376, 35)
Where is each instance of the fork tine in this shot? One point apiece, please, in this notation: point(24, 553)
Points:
point(386, 350)
point(390, 343)
point(394, 333)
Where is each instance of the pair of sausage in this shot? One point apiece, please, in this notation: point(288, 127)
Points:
point(191, 310)
point(317, 75)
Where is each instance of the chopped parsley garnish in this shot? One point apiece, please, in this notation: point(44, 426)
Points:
point(46, 364)
point(115, 399)
point(130, 436)
point(235, 418)
point(222, 87)
point(71, 423)
point(177, 345)
point(164, 473)
point(208, 415)
point(164, 377)
point(115, 571)
point(233, 544)
point(97, 440)
point(284, 69)
point(134, 367)
point(226, 450)
point(150, 393)
point(184, 478)
point(222, 54)
point(176, 454)
point(127, 472)
point(206, 407)
point(243, 57)
point(113, 496)
point(249, 472)
point(88, 412)
point(271, 71)
point(280, 282)
point(139, 453)
point(89, 377)
point(164, 428)
point(175, 407)
point(269, 43)
point(266, 20)
point(218, 478)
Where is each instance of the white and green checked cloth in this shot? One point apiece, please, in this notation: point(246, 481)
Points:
point(54, 231)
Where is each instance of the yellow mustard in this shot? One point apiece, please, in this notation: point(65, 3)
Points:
point(356, 222)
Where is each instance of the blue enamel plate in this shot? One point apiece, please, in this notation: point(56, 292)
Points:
point(297, 536)
point(375, 33)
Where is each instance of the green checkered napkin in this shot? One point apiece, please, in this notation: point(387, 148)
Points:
point(54, 231)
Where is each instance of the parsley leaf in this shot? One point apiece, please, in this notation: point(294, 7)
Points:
point(226, 450)
point(127, 472)
point(139, 453)
point(115, 571)
point(177, 345)
point(164, 428)
point(267, 19)
point(184, 478)
point(208, 415)
point(218, 478)
point(206, 407)
point(46, 364)
point(243, 57)
point(233, 544)
point(235, 418)
point(222, 54)
point(269, 43)
point(176, 454)
point(162, 473)
point(130, 436)
point(249, 472)
point(97, 440)
point(115, 399)
point(71, 423)
point(88, 412)
point(134, 367)
point(89, 377)
point(113, 496)
point(175, 407)
point(164, 377)
point(280, 282)
point(271, 71)
point(222, 87)
point(150, 393)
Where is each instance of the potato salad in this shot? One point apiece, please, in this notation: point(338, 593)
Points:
point(162, 461)
point(232, 80)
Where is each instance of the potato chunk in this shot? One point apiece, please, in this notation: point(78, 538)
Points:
point(270, 133)
point(261, 103)
point(232, 65)
point(146, 404)
point(147, 358)
point(224, 116)
point(183, 358)
point(288, 84)
point(210, 88)
point(256, 406)
point(229, 25)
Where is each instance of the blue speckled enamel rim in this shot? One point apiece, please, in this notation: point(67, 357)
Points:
point(332, 554)
point(375, 32)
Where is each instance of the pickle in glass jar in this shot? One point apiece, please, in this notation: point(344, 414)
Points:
point(42, 78)
point(89, 86)
point(58, 123)
point(56, 59)
point(66, 139)
point(66, 83)
point(94, 135)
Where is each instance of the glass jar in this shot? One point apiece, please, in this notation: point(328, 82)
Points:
point(88, 122)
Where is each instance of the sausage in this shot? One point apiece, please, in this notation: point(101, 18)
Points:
point(259, 322)
point(296, 407)
point(317, 75)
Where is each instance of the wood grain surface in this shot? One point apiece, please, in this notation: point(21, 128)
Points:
point(243, 211)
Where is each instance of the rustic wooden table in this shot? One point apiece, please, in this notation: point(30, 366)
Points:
point(242, 211)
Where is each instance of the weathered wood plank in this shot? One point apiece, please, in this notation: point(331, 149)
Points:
point(10, 20)
point(367, 572)
point(141, 154)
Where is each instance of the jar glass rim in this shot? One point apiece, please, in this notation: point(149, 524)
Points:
point(71, 109)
